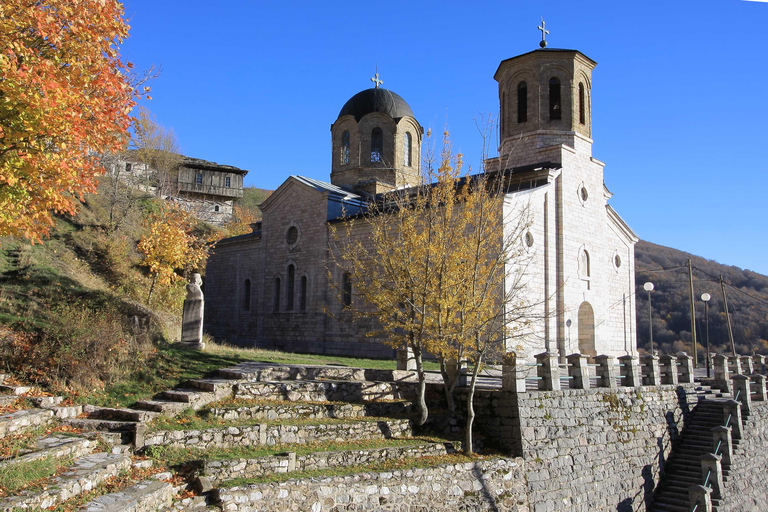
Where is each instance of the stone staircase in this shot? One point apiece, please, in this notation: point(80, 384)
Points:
point(288, 406)
point(683, 469)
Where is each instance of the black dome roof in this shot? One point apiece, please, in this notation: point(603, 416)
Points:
point(376, 100)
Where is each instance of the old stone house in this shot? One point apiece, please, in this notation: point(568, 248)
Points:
point(206, 189)
point(270, 288)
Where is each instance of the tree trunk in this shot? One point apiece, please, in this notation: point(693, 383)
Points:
point(470, 410)
point(421, 401)
point(151, 288)
point(451, 371)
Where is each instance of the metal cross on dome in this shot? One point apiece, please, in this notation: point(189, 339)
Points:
point(376, 80)
point(544, 33)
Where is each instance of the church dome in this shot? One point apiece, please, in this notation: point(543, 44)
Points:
point(376, 100)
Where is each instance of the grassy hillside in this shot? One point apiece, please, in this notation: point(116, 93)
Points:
point(747, 294)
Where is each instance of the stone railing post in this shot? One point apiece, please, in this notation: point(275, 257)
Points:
point(735, 364)
point(722, 373)
point(578, 370)
point(710, 465)
point(405, 359)
point(698, 497)
point(668, 369)
point(686, 368)
point(548, 371)
point(758, 383)
point(650, 369)
point(747, 367)
point(758, 362)
point(630, 371)
point(741, 391)
point(732, 417)
point(606, 371)
point(722, 436)
point(512, 379)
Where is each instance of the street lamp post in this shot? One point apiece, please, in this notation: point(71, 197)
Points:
point(705, 297)
point(649, 288)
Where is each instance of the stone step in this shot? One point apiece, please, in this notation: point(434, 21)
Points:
point(192, 397)
point(46, 402)
point(255, 371)
point(144, 496)
point(7, 399)
point(55, 446)
point(222, 388)
point(86, 473)
point(23, 421)
point(293, 410)
point(3, 376)
point(14, 390)
point(164, 407)
point(320, 391)
point(227, 469)
point(669, 507)
point(120, 414)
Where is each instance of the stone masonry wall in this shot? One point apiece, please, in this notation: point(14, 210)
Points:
point(588, 450)
point(274, 411)
point(320, 391)
point(745, 487)
point(270, 435)
point(497, 484)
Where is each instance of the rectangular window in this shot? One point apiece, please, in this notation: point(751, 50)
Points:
point(227, 182)
point(199, 179)
point(128, 167)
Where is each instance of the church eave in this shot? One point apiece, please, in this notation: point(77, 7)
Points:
point(619, 222)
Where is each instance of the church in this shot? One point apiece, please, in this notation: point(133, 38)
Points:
point(270, 288)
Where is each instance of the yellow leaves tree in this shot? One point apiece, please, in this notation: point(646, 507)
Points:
point(64, 99)
point(173, 244)
point(441, 269)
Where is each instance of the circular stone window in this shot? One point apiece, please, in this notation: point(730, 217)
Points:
point(529, 239)
point(617, 261)
point(583, 194)
point(292, 235)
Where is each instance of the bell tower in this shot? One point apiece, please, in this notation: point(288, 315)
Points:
point(545, 100)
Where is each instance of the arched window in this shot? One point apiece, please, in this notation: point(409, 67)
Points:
point(247, 295)
point(216, 208)
point(582, 111)
point(289, 287)
point(303, 294)
point(522, 102)
point(555, 111)
point(277, 294)
point(345, 147)
point(377, 143)
point(584, 270)
point(346, 289)
point(408, 146)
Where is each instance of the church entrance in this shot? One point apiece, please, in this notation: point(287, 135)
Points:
point(587, 330)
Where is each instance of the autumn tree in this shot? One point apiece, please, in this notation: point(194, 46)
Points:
point(157, 148)
point(64, 99)
point(174, 243)
point(441, 268)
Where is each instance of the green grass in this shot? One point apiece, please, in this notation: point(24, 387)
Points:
point(30, 475)
point(389, 465)
point(176, 456)
point(201, 420)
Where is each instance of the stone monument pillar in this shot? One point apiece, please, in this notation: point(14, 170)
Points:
point(192, 317)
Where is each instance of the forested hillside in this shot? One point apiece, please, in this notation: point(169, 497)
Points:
point(747, 294)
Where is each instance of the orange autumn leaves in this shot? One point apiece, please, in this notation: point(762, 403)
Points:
point(64, 99)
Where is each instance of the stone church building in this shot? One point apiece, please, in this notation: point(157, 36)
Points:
point(270, 288)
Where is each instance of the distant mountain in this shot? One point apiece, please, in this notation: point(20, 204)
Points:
point(746, 291)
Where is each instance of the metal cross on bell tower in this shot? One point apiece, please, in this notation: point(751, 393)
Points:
point(376, 80)
point(544, 33)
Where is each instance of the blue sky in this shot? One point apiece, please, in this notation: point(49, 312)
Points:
point(679, 97)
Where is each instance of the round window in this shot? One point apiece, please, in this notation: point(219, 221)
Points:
point(617, 261)
point(529, 239)
point(292, 235)
point(583, 193)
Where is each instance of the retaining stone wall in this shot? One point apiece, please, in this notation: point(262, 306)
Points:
point(745, 487)
point(23, 420)
point(270, 435)
point(220, 470)
point(333, 391)
point(588, 450)
point(496, 484)
point(311, 411)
